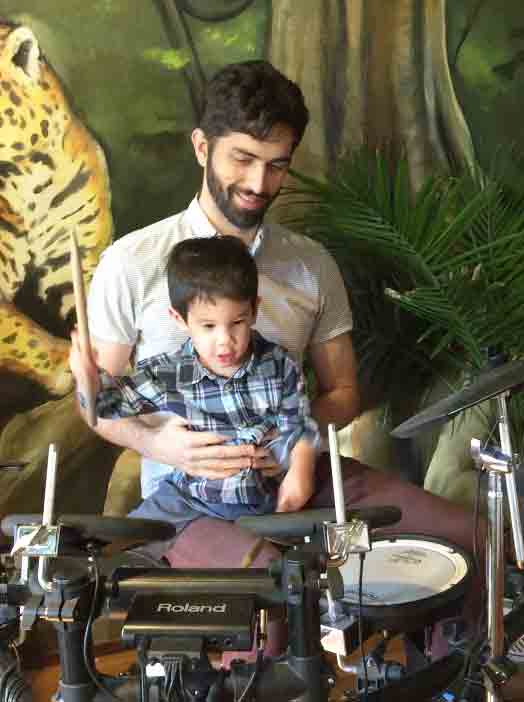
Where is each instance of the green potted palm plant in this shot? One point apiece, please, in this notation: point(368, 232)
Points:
point(436, 278)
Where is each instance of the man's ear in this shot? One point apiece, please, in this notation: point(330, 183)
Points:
point(177, 317)
point(200, 145)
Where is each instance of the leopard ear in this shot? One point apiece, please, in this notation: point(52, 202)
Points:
point(23, 53)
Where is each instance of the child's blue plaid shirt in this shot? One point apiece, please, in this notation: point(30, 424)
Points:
point(267, 392)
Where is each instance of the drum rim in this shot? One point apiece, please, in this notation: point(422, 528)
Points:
point(450, 594)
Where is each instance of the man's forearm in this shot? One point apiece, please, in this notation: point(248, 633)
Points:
point(339, 406)
point(130, 432)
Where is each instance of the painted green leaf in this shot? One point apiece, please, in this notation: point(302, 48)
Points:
point(173, 59)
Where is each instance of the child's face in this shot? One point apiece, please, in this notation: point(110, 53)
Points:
point(221, 332)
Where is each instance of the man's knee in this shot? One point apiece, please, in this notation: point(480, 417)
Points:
point(215, 543)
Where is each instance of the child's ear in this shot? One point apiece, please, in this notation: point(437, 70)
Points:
point(177, 317)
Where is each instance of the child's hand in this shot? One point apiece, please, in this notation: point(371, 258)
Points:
point(295, 490)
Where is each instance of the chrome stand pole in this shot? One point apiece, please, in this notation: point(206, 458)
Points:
point(498, 464)
point(495, 573)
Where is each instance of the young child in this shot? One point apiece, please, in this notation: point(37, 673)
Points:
point(225, 378)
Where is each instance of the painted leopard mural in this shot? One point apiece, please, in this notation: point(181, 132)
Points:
point(53, 178)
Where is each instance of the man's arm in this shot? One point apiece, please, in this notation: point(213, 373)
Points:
point(133, 432)
point(111, 356)
point(335, 368)
point(168, 441)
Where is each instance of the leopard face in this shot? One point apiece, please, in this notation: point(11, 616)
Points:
point(53, 180)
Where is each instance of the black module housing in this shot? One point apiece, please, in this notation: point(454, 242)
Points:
point(224, 622)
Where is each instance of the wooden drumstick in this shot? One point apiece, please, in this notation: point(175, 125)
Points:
point(88, 392)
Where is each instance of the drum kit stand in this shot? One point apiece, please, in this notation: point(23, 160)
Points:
point(501, 678)
point(59, 571)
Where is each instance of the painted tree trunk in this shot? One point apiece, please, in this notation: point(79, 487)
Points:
point(376, 72)
point(372, 72)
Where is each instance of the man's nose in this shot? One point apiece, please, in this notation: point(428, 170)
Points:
point(256, 178)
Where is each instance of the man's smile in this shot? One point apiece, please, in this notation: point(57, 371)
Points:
point(251, 200)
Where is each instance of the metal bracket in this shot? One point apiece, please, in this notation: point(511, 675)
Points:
point(491, 458)
point(37, 540)
point(343, 539)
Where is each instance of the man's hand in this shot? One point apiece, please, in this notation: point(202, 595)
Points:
point(202, 453)
point(83, 365)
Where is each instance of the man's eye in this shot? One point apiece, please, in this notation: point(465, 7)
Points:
point(208, 326)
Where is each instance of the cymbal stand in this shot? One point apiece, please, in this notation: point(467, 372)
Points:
point(498, 464)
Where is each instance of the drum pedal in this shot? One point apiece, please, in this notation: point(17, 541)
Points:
point(374, 673)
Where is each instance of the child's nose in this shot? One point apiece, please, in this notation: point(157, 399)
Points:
point(224, 337)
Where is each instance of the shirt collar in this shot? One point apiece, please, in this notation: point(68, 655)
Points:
point(201, 227)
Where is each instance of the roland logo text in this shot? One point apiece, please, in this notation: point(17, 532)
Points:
point(190, 608)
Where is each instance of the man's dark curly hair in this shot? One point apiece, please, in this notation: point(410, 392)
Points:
point(252, 97)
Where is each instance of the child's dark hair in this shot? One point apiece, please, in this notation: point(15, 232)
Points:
point(252, 97)
point(209, 268)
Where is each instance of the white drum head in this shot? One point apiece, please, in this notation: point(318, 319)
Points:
point(403, 570)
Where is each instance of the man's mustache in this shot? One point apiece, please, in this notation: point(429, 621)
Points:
point(261, 196)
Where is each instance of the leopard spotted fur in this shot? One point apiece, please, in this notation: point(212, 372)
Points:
point(53, 179)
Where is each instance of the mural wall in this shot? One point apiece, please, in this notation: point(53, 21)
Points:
point(97, 101)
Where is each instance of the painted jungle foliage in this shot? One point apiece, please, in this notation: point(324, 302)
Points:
point(97, 101)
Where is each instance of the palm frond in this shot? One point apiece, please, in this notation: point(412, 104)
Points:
point(436, 276)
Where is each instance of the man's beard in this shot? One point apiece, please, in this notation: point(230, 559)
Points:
point(223, 197)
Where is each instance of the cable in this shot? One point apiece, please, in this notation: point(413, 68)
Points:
point(181, 681)
point(3, 680)
point(91, 671)
point(14, 648)
point(250, 682)
point(174, 688)
point(168, 681)
point(360, 627)
point(13, 685)
point(215, 692)
point(142, 681)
